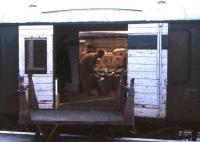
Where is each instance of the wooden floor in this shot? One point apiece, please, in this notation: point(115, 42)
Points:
point(76, 117)
point(85, 102)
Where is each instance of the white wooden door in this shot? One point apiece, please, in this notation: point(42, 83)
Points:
point(147, 63)
point(36, 57)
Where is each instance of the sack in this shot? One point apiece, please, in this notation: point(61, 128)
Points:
point(120, 52)
point(117, 61)
point(107, 60)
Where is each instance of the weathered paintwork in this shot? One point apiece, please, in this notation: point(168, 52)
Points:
point(8, 69)
point(43, 83)
point(183, 100)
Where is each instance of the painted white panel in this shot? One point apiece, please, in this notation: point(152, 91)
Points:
point(42, 96)
point(45, 93)
point(141, 75)
point(45, 97)
point(145, 112)
point(148, 98)
point(139, 95)
point(142, 65)
point(145, 89)
point(41, 30)
point(146, 82)
point(42, 87)
point(46, 106)
point(39, 79)
point(145, 60)
point(148, 53)
point(145, 68)
point(43, 83)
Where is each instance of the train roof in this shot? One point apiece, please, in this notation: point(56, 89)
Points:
point(41, 11)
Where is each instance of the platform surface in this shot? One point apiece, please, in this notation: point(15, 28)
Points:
point(12, 137)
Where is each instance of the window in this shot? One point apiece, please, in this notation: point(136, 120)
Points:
point(142, 41)
point(36, 55)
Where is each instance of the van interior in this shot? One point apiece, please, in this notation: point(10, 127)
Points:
point(108, 81)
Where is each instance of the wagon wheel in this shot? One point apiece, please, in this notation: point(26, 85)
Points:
point(47, 132)
point(37, 137)
point(106, 134)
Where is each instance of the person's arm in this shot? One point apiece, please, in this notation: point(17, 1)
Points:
point(92, 65)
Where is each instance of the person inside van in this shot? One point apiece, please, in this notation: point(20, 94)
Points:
point(87, 64)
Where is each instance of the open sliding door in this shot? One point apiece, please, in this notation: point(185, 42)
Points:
point(147, 64)
point(36, 59)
